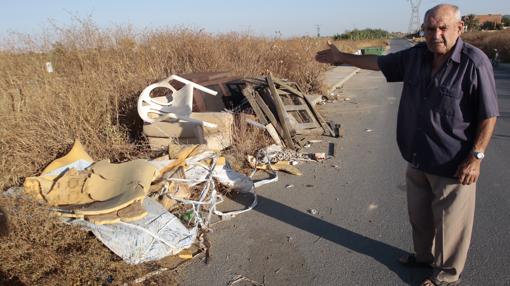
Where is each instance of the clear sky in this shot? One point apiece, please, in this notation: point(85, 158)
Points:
point(277, 17)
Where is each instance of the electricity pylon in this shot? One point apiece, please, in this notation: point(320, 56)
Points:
point(414, 22)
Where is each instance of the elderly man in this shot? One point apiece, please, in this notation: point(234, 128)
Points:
point(446, 117)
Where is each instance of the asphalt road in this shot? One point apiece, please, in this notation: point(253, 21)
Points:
point(361, 227)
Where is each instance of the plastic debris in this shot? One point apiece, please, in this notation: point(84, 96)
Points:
point(153, 237)
point(313, 211)
point(319, 156)
point(76, 158)
point(278, 166)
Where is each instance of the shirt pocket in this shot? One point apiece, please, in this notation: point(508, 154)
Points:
point(448, 102)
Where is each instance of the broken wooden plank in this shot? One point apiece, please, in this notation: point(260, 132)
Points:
point(301, 126)
point(320, 119)
point(286, 86)
point(310, 132)
point(269, 114)
point(316, 114)
point(248, 93)
point(272, 131)
point(295, 107)
point(282, 115)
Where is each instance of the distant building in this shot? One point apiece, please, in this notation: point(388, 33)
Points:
point(495, 19)
point(486, 22)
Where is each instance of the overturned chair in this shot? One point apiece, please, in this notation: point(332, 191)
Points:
point(166, 107)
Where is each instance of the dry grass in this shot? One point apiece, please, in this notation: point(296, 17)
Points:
point(487, 41)
point(37, 249)
point(99, 74)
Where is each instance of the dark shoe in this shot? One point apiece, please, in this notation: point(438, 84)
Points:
point(434, 282)
point(409, 260)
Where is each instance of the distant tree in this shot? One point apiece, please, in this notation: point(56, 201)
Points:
point(365, 34)
point(471, 23)
point(506, 21)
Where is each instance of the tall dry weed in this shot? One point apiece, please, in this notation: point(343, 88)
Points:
point(487, 41)
point(98, 75)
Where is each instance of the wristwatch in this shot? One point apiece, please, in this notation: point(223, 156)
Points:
point(478, 155)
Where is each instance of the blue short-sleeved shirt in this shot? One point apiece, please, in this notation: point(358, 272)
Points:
point(439, 114)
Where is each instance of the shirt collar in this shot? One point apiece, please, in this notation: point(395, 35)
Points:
point(457, 50)
point(455, 56)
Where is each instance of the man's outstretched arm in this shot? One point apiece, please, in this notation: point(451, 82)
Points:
point(336, 57)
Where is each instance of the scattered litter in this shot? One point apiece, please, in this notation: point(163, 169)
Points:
point(49, 67)
point(347, 99)
point(319, 156)
point(186, 254)
point(261, 182)
point(144, 210)
point(372, 206)
point(335, 166)
point(331, 149)
point(239, 278)
point(368, 130)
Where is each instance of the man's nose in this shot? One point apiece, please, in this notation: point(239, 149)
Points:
point(438, 33)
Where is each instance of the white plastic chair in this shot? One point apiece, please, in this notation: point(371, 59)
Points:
point(179, 108)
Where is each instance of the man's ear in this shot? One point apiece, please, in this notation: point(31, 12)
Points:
point(461, 27)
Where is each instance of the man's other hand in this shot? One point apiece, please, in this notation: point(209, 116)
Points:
point(332, 55)
point(469, 171)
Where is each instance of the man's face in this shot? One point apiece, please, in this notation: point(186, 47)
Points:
point(442, 30)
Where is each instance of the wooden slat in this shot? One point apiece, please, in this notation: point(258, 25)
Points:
point(248, 93)
point(269, 114)
point(316, 114)
point(306, 125)
point(321, 120)
point(282, 115)
point(313, 131)
point(295, 107)
point(289, 88)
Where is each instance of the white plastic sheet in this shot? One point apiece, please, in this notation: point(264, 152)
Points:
point(153, 237)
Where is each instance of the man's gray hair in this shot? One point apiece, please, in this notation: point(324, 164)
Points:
point(455, 8)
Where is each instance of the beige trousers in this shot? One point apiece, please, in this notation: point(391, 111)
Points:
point(441, 212)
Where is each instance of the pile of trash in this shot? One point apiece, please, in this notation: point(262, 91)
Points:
point(144, 210)
point(199, 108)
